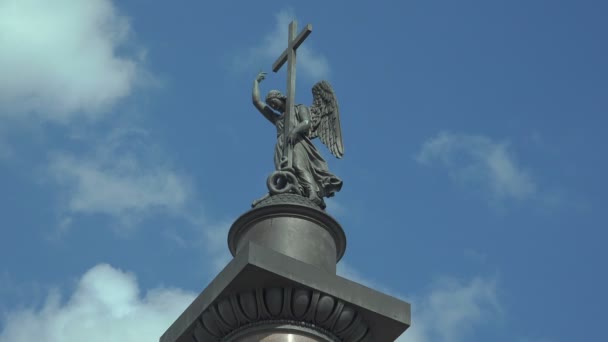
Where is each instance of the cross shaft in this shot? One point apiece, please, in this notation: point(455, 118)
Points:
point(289, 56)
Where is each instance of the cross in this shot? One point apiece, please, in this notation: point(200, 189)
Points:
point(289, 56)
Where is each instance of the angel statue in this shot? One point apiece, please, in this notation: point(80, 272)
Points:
point(300, 168)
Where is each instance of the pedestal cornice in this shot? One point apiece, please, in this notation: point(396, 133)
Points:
point(256, 268)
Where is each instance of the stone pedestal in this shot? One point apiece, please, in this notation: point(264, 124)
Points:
point(282, 285)
point(293, 226)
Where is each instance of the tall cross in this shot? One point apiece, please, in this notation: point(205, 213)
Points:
point(289, 56)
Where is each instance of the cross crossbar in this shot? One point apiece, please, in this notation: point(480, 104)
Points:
point(294, 44)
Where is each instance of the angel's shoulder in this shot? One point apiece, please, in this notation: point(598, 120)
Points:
point(302, 110)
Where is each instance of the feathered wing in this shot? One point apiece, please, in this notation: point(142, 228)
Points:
point(325, 116)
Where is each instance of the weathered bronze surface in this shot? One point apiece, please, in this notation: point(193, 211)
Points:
point(299, 231)
point(299, 167)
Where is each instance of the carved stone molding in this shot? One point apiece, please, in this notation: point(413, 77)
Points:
point(287, 198)
point(292, 306)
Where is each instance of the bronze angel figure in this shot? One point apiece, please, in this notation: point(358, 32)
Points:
point(300, 168)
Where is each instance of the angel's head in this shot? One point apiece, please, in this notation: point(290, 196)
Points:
point(276, 100)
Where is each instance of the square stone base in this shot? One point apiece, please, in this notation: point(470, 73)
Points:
point(256, 267)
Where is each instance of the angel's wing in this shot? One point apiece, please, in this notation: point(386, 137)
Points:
point(325, 117)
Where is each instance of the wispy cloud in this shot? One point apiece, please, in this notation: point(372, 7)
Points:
point(452, 309)
point(216, 245)
point(124, 177)
point(105, 306)
point(129, 180)
point(311, 64)
point(479, 161)
point(448, 311)
point(60, 59)
point(345, 270)
point(335, 207)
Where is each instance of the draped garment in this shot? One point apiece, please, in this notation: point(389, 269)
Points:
point(309, 166)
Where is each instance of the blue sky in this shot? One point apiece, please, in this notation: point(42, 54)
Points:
point(474, 168)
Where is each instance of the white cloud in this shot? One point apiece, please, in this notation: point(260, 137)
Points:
point(452, 309)
point(310, 63)
point(478, 160)
point(448, 312)
point(335, 207)
point(105, 306)
point(124, 178)
point(346, 271)
point(215, 240)
point(60, 59)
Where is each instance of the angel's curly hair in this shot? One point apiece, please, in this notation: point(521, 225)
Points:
point(275, 94)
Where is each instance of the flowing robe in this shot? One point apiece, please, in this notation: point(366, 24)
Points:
point(309, 166)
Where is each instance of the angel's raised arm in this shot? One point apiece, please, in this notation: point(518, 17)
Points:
point(258, 103)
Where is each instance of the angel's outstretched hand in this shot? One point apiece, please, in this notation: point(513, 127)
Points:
point(260, 77)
